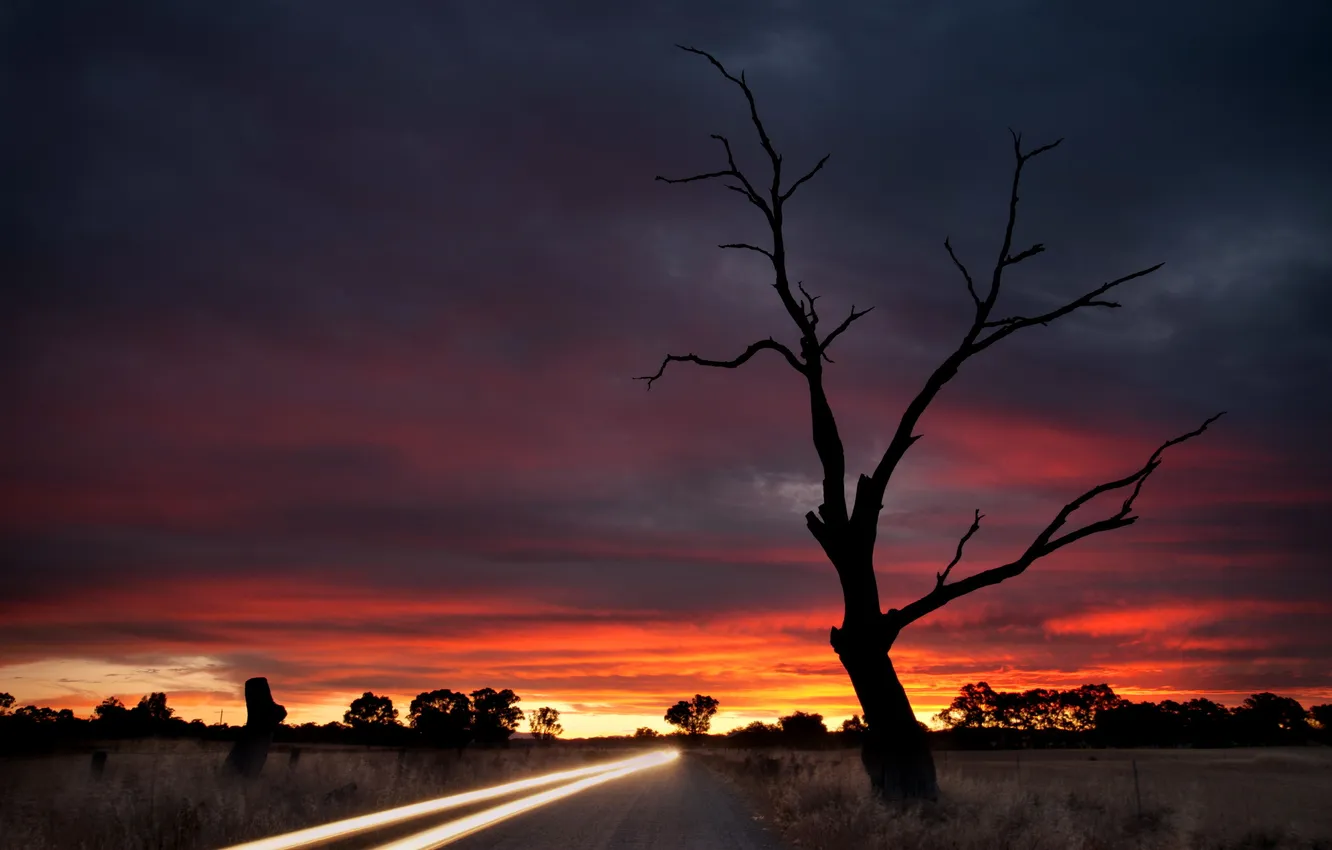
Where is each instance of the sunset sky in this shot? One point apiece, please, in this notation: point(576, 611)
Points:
point(319, 323)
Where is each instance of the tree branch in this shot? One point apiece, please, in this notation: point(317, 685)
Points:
point(971, 287)
point(753, 115)
point(1004, 259)
point(815, 170)
point(768, 343)
point(1014, 323)
point(869, 496)
point(846, 323)
point(940, 578)
point(1045, 542)
point(745, 188)
point(746, 246)
point(811, 314)
point(832, 513)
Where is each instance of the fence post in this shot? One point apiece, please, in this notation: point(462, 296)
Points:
point(1137, 789)
point(98, 763)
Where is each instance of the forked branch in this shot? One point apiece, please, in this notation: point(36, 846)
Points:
point(1045, 542)
point(1091, 299)
point(940, 578)
point(837, 331)
point(762, 344)
point(802, 310)
point(983, 333)
point(745, 188)
point(785, 196)
point(971, 286)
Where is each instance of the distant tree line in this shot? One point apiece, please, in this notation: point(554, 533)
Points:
point(979, 717)
point(440, 718)
point(1090, 715)
point(1095, 715)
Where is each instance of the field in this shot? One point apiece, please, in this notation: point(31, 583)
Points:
point(1055, 799)
point(168, 795)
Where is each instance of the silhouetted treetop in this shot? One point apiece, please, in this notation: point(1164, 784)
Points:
point(694, 716)
point(495, 715)
point(369, 711)
point(443, 717)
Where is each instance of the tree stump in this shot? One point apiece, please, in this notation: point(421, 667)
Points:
point(262, 716)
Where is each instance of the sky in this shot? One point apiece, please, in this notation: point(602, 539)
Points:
point(320, 322)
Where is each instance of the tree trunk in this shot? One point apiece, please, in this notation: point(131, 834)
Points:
point(262, 716)
point(894, 750)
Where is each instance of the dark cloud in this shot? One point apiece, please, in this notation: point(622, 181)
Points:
point(338, 293)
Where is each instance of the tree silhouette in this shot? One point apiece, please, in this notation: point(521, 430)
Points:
point(112, 717)
point(495, 716)
point(1084, 703)
point(545, 724)
point(646, 732)
point(693, 717)
point(6, 702)
point(975, 708)
point(109, 708)
point(369, 712)
point(1322, 716)
point(895, 752)
point(1270, 719)
point(1205, 723)
point(757, 734)
point(853, 726)
point(153, 708)
point(979, 706)
point(43, 714)
point(443, 717)
point(802, 728)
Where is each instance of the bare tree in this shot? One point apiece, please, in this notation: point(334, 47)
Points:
point(895, 750)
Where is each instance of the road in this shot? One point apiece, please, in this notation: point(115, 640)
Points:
point(680, 805)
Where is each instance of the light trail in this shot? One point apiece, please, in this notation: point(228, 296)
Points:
point(363, 823)
point(453, 830)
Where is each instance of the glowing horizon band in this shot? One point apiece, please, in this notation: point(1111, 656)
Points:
point(453, 830)
point(351, 826)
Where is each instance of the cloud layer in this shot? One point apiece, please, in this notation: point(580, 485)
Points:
point(319, 341)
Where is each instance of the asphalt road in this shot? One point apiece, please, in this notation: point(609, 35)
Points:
point(680, 805)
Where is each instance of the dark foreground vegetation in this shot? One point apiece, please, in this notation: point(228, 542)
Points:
point(161, 794)
point(1272, 798)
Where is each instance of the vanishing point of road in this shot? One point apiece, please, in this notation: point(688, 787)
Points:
point(680, 805)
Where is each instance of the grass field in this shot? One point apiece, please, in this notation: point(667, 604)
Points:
point(1055, 799)
point(169, 795)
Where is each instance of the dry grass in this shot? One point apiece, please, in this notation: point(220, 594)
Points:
point(1053, 800)
point(170, 795)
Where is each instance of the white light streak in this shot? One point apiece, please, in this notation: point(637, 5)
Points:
point(375, 820)
point(453, 830)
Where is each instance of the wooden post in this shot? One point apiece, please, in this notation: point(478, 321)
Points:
point(262, 716)
point(1137, 789)
point(294, 758)
point(98, 764)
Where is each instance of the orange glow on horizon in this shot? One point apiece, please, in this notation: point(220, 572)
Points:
point(607, 674)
